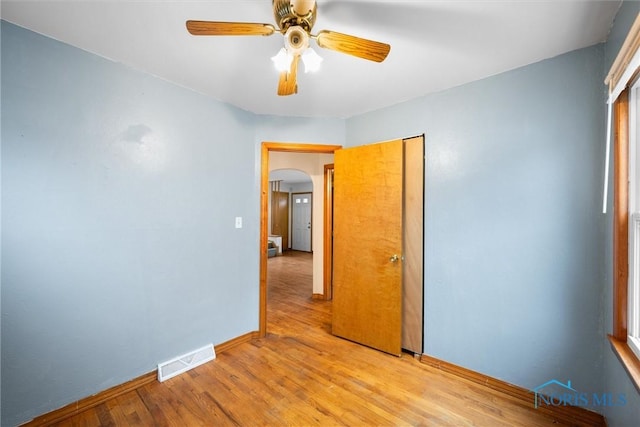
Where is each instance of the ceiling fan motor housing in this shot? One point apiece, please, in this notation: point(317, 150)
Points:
point(295, 13)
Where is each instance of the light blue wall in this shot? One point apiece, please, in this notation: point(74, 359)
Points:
point(513, 249)
point(300, 130)
point(616, 379)
point(119, 251)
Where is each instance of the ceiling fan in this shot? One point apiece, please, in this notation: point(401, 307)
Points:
point(295, 19)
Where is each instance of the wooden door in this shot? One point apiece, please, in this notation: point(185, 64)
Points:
point(367, 267)
point(280, 216)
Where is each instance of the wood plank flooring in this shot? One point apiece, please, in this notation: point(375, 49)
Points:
point(301, 375)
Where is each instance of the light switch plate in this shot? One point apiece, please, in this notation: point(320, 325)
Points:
point(238, 222)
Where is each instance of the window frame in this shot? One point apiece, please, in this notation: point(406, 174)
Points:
point(619, 337)
point(633, 289)
point(624, 70)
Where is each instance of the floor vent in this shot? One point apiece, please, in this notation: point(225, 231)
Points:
point(180, 364)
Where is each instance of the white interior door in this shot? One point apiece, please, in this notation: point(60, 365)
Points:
point(301, 212)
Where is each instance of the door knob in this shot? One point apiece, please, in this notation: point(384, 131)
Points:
point(394, 258)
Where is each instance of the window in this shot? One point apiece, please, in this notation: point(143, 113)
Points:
point(624, 102)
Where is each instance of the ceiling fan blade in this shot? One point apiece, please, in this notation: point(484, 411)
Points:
point(352, 45)
point(288, 84)
point(213, 28)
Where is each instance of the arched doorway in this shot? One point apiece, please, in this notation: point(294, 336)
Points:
point(290, 204)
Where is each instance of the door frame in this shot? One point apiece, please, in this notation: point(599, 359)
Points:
point(327, 279)
point(264, 211)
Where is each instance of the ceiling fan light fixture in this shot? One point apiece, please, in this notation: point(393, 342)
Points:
point(296, 40)
point(294, 19)
point(282, 61)
point(311, 61)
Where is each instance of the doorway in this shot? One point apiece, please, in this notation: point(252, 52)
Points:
point(416, 165)
point(266, 148)
point(283, 183)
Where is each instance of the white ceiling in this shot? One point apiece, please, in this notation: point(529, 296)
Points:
point(434, 45)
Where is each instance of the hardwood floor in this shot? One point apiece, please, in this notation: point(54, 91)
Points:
point(301, 375)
